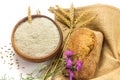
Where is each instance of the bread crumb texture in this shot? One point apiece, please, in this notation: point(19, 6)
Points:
point(38, 38)
point(81, 42)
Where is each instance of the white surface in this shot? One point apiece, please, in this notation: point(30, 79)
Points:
point(11, 11)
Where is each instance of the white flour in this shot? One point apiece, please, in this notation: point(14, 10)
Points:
point(38, 38)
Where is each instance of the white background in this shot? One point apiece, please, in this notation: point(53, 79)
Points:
point(11, 11)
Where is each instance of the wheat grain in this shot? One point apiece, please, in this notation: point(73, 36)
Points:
point(72, 16)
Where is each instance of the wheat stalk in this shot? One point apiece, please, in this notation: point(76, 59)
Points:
point(29, 15)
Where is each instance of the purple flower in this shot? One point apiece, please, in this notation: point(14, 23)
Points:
point(68, 63)
point(78, 65)
point(68, 53)
point(71, 74)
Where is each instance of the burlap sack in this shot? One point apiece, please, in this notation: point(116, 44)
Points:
point(107, 21)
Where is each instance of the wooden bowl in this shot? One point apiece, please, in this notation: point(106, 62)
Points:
point(38, 58)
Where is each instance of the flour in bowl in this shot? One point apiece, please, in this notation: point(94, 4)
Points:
point(38, 38)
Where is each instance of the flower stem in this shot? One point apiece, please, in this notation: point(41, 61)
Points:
point(48, 69)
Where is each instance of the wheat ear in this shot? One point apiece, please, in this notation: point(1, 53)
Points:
point(72, 16)
point(81, 16)
point(29, 15)
point(63, 11)
point(87, 21)
point(66, 21)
